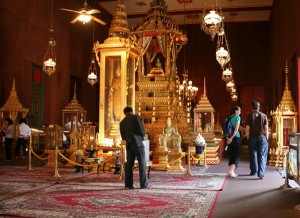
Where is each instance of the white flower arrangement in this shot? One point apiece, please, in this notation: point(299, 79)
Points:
point(79, 153)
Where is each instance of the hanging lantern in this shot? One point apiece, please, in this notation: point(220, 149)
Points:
point(227, 75)
point(211, 23)
point(92, 73)
point(49, 63)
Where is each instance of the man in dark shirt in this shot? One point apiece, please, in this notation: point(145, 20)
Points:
point(132, 131)
point(257, 134)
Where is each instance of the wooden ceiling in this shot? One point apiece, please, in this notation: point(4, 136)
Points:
point(233, 10)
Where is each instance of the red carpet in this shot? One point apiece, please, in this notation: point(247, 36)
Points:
point(38, 194)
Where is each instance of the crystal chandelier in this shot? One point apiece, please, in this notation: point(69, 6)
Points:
point(211, 22)
point(49, 61)
point(187, 90)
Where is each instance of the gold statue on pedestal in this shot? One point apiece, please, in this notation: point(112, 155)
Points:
point(169, 151)
point(161, 152)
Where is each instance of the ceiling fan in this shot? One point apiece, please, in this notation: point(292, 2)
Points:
point(85, 14)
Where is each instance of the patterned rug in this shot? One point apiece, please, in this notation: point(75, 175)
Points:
point(38, 194)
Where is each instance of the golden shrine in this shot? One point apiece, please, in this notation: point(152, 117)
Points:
point(13, 106)
point(157, 93)
point(204, 124)
point(73, 109)
point(285, 122)
point(117, 57)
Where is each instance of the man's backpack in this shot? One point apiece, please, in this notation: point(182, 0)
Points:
point(228, 128)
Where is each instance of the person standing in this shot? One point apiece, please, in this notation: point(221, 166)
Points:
point(234, 141)
point(9, 130)
point(132, 131)
point(24, 134)
point(257, 134)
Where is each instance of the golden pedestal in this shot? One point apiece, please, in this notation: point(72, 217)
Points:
point(162, 155)
point(175, 162)
point(212, 155)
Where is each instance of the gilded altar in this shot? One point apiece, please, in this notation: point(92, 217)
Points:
point(117, 59)
point(13, 108)
point(284, 123)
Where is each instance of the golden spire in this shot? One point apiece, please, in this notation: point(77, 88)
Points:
point(204, 104)
point(13, 104)
point(287, 104)
point(74, 105)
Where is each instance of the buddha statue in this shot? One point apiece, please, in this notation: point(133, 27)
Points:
point(170, 138)
point(157, 70)
point(115, 95)
point(169, 130)
point(177, 143)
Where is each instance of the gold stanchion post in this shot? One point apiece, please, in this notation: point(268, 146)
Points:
point(56, 174)
point(286, 182)
point(189, 172)
point(122, 176)
point(29, 154)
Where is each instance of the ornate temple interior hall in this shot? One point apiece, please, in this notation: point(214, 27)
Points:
point(181, 65)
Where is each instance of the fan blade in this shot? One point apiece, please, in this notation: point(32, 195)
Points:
point(64, 9)
point(98, 20)
point(93, 11)
point(75, 20)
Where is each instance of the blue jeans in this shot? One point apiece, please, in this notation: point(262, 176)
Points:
point(258, 149)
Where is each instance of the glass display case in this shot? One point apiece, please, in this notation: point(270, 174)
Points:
point(53, 137)
point(294, 158)
point(288, 126)
point(73, 111)
point(117, 83)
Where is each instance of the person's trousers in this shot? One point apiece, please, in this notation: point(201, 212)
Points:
point(131, 154)
point(8, 143)
point(258, 149)
point(21, 142)
point(234, 149)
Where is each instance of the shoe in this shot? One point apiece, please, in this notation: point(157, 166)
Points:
point(261, 177)
point(147, 186)
point(131, 187)
point(252, 174)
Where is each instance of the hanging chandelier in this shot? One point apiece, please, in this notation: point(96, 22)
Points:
point(92, 77)
point(49, 61)
point(230, 85)
point(92, 73)
point(234, 97)
point(222, 53)
point(211, 22)
point(187, 90)
point(227, 74)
